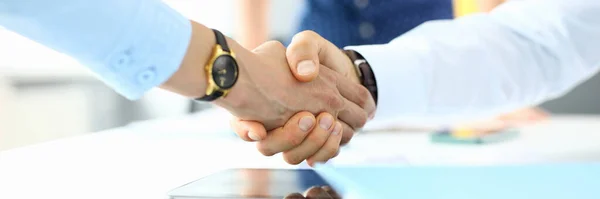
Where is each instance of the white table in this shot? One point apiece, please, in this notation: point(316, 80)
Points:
point(147, 159)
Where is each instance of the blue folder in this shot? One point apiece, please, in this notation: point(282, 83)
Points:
point(564, 181)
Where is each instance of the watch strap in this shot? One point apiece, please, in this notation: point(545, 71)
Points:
point(365, 73)
point(207, 98)
point(221, 40)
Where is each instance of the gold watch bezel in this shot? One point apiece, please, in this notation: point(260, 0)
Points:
point(212, 85)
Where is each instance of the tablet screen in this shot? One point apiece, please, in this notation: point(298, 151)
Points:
point(250, 183)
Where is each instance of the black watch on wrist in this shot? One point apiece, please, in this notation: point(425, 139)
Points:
point(364, 71)
point(221, 70)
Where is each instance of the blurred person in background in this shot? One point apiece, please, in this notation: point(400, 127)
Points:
point(344, 22)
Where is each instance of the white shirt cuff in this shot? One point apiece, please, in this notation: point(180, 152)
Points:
point(400, 81)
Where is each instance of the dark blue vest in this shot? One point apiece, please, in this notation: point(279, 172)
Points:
point(357, 22)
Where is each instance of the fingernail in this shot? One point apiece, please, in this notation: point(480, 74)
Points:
point(371, 116)
point(337, 129)
point(305, 123)
point(326, 122)
point(253, 136)
point(306, 67)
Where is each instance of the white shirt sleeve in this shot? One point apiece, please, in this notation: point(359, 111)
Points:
point(521, 54)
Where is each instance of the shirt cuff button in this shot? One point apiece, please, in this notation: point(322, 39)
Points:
point(146, 76)
point(119, 61)
point(361, 4)
point(366, 30)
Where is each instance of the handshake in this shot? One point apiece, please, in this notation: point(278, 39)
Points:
point(305, 110)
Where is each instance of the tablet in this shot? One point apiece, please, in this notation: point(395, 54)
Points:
point(250, 183)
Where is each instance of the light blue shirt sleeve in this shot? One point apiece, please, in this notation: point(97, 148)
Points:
point(132, 45)
point(520, 54)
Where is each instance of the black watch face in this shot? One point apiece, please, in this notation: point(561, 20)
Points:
point(224, 71)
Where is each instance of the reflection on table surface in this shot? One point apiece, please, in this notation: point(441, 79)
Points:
point(256, 183)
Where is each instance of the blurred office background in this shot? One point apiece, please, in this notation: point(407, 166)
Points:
point(45, 95)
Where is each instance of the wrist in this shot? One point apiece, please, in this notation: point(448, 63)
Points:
point(190, 79)
point(235, 99)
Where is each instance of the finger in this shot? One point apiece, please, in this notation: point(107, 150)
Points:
point(313, 142)
point(295, 196)
point(303, 55)
point(336, 154)
point(353, 115)
point(358, 95)
point(331, 192)
point(326, 52)
point(329, 149)
point(289, 136)
point(316, 192)
point(308, 49)
point(347, 134)
point(248, 130)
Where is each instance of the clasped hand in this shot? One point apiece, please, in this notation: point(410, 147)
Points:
point(306, 110)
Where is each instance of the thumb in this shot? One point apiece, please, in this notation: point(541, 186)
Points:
point(303, 55)
point(308, 51)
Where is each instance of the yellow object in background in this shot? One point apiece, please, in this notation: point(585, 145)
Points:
point(463, 133)
point(465, 7)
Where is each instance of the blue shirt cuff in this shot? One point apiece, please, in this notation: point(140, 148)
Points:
point(149, 53)
point(131, 45)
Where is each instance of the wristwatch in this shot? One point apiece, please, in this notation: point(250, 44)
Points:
point(221, 70)
point(364, 72)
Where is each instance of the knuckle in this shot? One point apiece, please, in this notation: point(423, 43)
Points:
point(346, 137)
point(307, 34)
point(293, 139)
point(334, 101)
point(292, 159)
point(276, 44)
point(362, 120)
point(336, 154)
point(264, 150)
point(345, 141)
point(363, 96)
point(301, 42)
point(329, 151)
